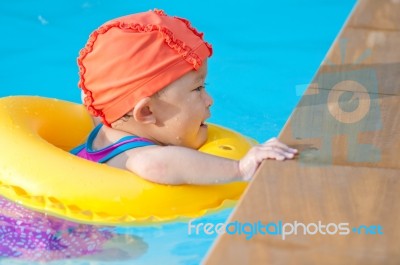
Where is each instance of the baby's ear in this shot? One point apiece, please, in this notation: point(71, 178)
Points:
point(142, 112)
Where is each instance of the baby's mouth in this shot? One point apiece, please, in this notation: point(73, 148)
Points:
point(203, 123)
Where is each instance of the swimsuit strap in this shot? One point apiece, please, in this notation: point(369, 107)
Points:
point(103, 155)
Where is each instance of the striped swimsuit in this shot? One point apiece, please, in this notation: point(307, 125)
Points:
point(103, 155)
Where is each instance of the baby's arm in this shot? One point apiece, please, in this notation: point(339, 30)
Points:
point(179, 165)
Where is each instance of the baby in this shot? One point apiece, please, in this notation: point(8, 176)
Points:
point(144, 76)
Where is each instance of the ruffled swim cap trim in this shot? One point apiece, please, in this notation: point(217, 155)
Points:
point(179, 46)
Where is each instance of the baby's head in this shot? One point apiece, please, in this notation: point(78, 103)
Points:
point(144, 74)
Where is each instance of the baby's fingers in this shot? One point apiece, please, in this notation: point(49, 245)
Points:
point(278, 144)
point(277, 152)
point(267, 153)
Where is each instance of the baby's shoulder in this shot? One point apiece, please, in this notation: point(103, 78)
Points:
point(136, 154)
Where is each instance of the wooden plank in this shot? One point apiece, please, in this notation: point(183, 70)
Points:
point(327, 134)
point(359, 46)
point(376, 14)
point(366, 196)
point(347, 127)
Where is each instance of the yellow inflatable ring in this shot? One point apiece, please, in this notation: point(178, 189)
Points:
point(36, 170)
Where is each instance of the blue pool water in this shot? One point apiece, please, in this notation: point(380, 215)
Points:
point(262, 51)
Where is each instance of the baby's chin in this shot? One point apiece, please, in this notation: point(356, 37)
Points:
point(196, 144)
point(192, 142)
point(200, 142)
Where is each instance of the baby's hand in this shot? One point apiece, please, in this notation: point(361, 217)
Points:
point(272, 149)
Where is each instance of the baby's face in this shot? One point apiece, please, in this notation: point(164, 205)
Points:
point(182, 108)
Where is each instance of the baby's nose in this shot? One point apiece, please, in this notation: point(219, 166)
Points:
point(208, 99)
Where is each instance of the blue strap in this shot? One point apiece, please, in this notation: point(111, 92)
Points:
point(77, 149)
point(92, 135)
point(125, 147)
point(118, 150)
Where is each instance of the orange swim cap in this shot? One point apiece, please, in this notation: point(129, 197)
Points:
point(135, 56)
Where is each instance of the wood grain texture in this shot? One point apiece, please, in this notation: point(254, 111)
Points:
point(347, 126)
point(376, 14)
point(328, 135)
point(333, 194)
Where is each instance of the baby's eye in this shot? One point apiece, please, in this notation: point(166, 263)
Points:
point(199, 88)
